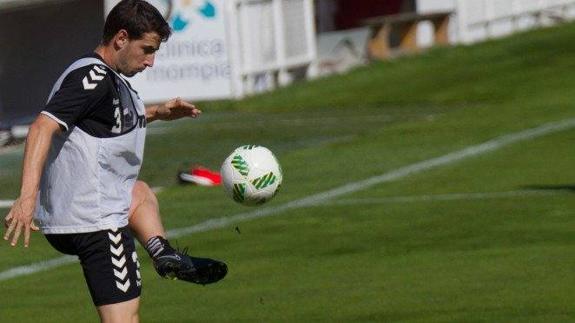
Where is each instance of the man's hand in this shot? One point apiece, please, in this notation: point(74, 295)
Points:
point(38, 143)
point(20, 219)
point(172, 110)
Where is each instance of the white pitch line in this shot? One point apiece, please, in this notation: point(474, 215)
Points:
point(6, 203)
point(37, 267)
point(401, 172)
point(439, 197)
point(396, 174)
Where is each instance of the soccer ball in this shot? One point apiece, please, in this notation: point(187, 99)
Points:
point(251, 175)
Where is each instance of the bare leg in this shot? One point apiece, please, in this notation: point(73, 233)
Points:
point(120, 312)
point(144, 217)
point(144, 220)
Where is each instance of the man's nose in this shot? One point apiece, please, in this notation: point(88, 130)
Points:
point(149, 62)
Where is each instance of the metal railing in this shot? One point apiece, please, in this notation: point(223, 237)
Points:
point(269, 39)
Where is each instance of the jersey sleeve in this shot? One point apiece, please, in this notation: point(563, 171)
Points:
point(78, 94)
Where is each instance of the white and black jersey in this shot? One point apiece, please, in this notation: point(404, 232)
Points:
point(93, 164)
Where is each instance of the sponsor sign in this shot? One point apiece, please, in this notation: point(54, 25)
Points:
point(194, 63)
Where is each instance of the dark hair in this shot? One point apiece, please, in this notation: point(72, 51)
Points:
point(137, 17)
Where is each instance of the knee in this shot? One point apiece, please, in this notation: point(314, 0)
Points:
point(142, 193)
point(120, 312)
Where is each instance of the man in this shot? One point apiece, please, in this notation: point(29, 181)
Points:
point(81, 162)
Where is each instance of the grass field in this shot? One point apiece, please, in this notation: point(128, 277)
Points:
point(487, 238)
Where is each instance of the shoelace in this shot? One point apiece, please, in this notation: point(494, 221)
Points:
point(183, 251)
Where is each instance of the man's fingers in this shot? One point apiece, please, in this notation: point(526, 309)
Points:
point(34, 227)
point(181, 103)
point(7, 220)
point(16, 234)
point(174, 103)
point(10, 229)
point(27, 236)
point(196, 113)
point(178, 108)
point(188, 108)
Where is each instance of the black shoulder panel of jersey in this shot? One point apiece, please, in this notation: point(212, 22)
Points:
point(81, 91)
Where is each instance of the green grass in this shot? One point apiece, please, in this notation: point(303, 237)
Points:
point(503, 259)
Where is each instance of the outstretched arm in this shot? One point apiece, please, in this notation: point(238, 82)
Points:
point(37, 146)
point(172, 110)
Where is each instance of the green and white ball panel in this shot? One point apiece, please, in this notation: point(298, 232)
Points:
point(251, 175)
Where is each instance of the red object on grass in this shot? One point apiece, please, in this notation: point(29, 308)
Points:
point(201, 176)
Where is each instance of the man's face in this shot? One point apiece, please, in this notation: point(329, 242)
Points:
point(138, 54)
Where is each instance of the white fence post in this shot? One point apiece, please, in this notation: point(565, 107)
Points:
point(462, 24)
point(311, 43)
point(489, 18)
point(515, 15)
point(283, 76)
point(233, 34)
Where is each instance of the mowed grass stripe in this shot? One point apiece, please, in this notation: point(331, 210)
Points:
point(441, 197)
point(315, 199)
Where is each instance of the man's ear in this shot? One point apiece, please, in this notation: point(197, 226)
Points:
point(121, 39)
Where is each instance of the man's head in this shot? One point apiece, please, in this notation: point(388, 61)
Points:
point(134, 29)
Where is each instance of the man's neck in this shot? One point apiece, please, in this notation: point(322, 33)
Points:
point(107, 56)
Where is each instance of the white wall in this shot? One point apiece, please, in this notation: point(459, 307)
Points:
point(484, 19)
point(477, 20)
point(435, 5)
